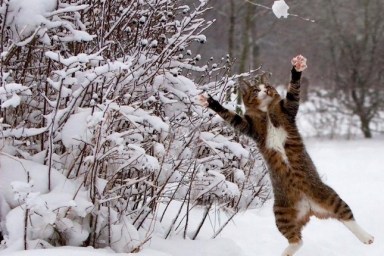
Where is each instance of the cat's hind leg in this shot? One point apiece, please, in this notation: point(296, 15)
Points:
point(340, 210)
point(358, 231)
point(290, 227)
point(292, 248)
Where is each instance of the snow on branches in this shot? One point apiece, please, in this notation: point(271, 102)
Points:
point(98, 111)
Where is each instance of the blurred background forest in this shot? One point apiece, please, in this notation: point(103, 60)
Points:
point(343, 41)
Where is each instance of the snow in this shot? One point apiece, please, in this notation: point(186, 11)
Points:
point(221, 142)
point(70, 8)
point(24, 186)
point(14, 101)
point(120, 241)
point(58, 86)
point(11, 89)
point(23, 132)
point(13, 169)
point(325, 117)
point(280, 9)
point(75, 130)
point(139, 115)
point(68, 250)
point(355, 171)
point(81, 58)
point(127, 140)
point(352, 168)
point(27, 15)
point(179, 247)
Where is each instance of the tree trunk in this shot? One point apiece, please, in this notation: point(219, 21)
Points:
point(231, 39)
point(245, 52)
point(365, 127)
point(231, 30)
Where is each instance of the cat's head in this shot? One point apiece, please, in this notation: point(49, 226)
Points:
point(257, 95)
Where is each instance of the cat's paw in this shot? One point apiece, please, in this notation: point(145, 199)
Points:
point(367, 239)
point(292, 249)
point(299, 62)
point(203, 99)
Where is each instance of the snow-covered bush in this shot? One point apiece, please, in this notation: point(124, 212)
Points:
point(98, 112)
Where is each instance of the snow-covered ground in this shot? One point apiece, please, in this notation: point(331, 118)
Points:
point(355, 169)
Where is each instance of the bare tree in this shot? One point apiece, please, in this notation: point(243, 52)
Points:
point(356, 42)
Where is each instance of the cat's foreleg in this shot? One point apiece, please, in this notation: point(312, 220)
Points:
point(292, 100)
point(299, 62)
point(238, 122)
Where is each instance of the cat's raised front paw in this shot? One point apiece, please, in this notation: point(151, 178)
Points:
point(203, 100)
point(299, 62)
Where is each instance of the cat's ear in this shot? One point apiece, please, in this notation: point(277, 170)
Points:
point(264, 78)
point(244, 87)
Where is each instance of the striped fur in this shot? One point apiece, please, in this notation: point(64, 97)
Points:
point(298, 189)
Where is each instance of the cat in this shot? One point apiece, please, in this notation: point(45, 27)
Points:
point(298, 189)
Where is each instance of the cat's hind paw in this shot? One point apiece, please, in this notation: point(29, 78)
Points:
point(292, 249)
point(359, 232)
point(367, 239)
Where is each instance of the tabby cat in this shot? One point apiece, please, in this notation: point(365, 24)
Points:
point(298, 189)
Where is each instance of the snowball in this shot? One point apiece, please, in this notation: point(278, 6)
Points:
point(280, 9)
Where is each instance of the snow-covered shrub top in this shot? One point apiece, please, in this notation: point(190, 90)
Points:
point(98, 115)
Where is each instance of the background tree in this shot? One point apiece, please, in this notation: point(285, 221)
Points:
point(355, 30)
point(344, 44)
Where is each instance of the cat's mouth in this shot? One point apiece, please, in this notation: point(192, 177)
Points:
point(265, 91)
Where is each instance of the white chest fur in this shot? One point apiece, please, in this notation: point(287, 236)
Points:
point(276, 138)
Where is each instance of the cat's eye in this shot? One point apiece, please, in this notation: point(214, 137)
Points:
point(255, 91)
